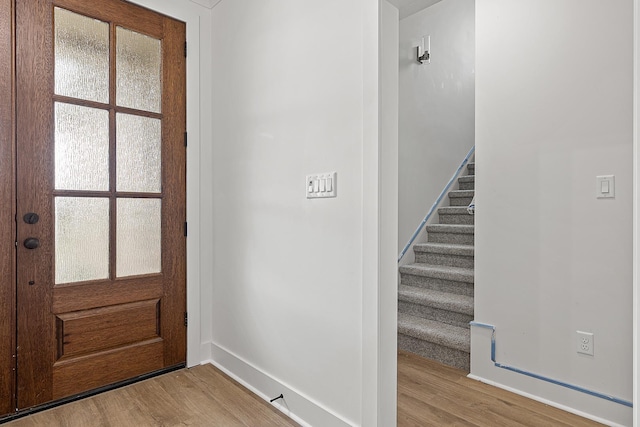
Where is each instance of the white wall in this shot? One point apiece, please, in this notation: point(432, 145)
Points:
point(436, 106)
point(553, 110)
point(292, 97)
point(388, 228)
point(636, 214)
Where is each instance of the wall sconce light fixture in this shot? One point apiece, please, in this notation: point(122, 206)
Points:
point(423, 52)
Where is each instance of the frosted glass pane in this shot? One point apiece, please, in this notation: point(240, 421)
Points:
point(82, 239)
point(138, 237)
point(138, 153)
point(82, 148)
point(81, 56)
point(138, 70)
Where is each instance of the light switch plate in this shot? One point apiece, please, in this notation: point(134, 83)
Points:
point(321, 185)
point(605, 187)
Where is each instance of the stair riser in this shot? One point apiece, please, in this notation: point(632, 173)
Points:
point(453, 238)
point(459, 288)
point(464, 219)
point(447, 356)
point(471, 169)
point(467, 185)
point(436, 314)
point(460, 201)
point(444, 259)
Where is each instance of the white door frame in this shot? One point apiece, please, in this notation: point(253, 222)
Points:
point(198, 20)
point(636, 210)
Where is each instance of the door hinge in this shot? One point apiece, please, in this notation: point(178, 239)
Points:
point(186, 319)
point(185, 49)
point(185, 139)
point(185, 229)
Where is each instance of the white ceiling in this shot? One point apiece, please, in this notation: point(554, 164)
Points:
point(406, 7)
point(207, 3)
point(409, 7)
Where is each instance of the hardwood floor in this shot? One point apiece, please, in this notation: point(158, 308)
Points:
point(431, 394)
point(200, 396)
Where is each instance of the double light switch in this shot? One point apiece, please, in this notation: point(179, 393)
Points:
point(321, 185)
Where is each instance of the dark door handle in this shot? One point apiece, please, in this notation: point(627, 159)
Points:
point(31, 243)
point(31, 218)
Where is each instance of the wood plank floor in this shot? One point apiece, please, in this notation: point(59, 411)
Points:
point(431, 394)
point(200, 396)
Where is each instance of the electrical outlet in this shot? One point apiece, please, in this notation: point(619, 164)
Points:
point(584, 342)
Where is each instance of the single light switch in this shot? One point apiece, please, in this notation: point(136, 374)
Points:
point(606, 188)
point(329, 184)
point(316, 185)
point(323, 185)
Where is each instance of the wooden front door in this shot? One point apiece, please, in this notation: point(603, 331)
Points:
point(99, 214)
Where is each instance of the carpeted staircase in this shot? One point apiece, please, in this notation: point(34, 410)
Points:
point(435, 296)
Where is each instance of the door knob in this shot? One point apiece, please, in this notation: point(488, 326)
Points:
point(31, 218)
point(31, 243)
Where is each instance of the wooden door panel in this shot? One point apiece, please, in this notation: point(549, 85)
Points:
point(80, 374)
point(91, 295)
point(122, 13)
point(7, 214)
point(174, 76)
point(34, 166)
point(74, 337)
point(89, 331)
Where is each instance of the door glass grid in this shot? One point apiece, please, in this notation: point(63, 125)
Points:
point(138, 153)
point(138, 236)
point(138, 70)
point(86, 151)
point(81, 56)
point(81, 148)
point(82, 239)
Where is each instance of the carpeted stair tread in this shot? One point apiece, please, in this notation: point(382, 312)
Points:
point(444, 248)
point(431, 298)
point(457, 274)
point(467, 182)
point(454, 210)
point(461, 193)
point(439, 333)
point(455, 215)
point(450, 228)
point(435, 294)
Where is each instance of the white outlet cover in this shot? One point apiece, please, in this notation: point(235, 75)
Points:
point(584, 343)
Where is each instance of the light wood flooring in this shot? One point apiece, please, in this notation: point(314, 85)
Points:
point(200, 396)
point(429, 394)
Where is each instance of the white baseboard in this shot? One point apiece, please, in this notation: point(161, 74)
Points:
point(545, 401)
point(205, 352)
point(296, 405)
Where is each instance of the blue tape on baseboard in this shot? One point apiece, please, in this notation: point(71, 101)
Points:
point(482, 325)
point(541, 377)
